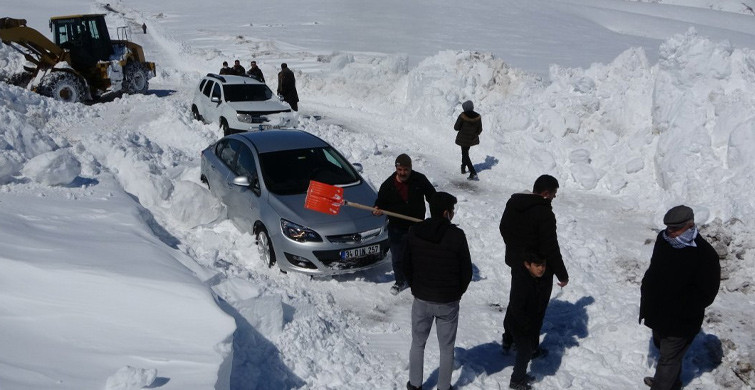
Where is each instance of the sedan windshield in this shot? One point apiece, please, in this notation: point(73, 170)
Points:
point(288, 172)
point(247, 92)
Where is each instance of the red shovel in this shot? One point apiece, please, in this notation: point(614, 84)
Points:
point(328, 199)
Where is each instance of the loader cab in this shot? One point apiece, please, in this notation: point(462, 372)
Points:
point(85, 36)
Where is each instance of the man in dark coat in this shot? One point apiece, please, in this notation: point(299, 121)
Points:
point(438, 269)
point(238, 69)
point(682, 280)
point(226, 69)
point(527, 303)
point(255, 72)
point(404, 192)
point(529, 225)
point(287, 87)
point(469, 126)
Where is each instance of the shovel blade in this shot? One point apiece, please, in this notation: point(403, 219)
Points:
point(322, 190)
point(323, 198)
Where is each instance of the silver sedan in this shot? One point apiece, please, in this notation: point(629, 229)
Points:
point(262, 178)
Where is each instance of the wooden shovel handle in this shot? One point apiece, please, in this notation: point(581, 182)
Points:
point(391, 213)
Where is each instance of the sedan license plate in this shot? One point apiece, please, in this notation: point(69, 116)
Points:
point(350, 254)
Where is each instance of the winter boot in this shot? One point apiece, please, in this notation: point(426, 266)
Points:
point(410, 387)
point(648, 380)
point(473, 177)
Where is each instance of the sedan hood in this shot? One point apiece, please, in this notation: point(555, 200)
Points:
point(348, 220)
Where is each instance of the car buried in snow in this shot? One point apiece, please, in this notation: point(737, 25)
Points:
point(239, 103)
point(262, 178)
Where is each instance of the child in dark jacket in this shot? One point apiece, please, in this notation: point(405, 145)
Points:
point(525, 309)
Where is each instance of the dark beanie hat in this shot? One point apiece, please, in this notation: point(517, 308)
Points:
point(403, 160)
point(441, 202)
point(678, 216)
point(467, 106)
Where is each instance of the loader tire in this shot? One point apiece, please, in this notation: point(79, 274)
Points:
point(135, 78)
point(63, 86)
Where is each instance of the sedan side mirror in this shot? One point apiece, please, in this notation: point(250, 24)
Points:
point(253, 183)
point(358, 167)
point(241, 181)
point(215, 99)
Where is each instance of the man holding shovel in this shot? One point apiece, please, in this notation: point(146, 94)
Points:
point(404, 192)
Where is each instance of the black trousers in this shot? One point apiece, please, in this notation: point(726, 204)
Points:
point(548, 288)
point(668, 371)
point(466, 161)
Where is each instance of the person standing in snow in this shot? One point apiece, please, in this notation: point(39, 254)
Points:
point(529, 225)
point(438, 268)
point(144, 27)
point(681, 281)
point(255, 72)
point(527, 302)
point(468, 126)
point(287, 87)
point(238, 69)
point(404, 192)
point(226, 69)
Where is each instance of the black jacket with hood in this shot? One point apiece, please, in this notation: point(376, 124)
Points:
point(469, 126)
point(437, 264)
point(529, 225)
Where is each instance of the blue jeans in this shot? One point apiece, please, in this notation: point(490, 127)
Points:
point(446, 316)
point(397, 239)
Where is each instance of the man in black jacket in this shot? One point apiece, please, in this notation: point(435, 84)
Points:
point(529, 225)
point(287, 87)
point(682, 280)
point(255, 72)
point(404, 192)
point(438, 269)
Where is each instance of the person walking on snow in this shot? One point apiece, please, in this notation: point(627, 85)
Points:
point(438, 268)
point(529, 225)
point(527, 303)
point(681, 281)
point(468, 126)
point(287, 87)
point(404, 192)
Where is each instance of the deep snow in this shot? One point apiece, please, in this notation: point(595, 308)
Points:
point(117, 262)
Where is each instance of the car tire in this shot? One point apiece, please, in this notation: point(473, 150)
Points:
point(224, 127)
point(265, 247)
point(195, 114)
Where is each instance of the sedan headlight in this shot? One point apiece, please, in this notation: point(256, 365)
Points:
point(299, 233)
point(249, 118)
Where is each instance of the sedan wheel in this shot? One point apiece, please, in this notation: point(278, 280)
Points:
point(265, 248)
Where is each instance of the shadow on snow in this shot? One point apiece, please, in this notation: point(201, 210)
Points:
point(704, 355)
point(564, 324)
point(256, 361)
